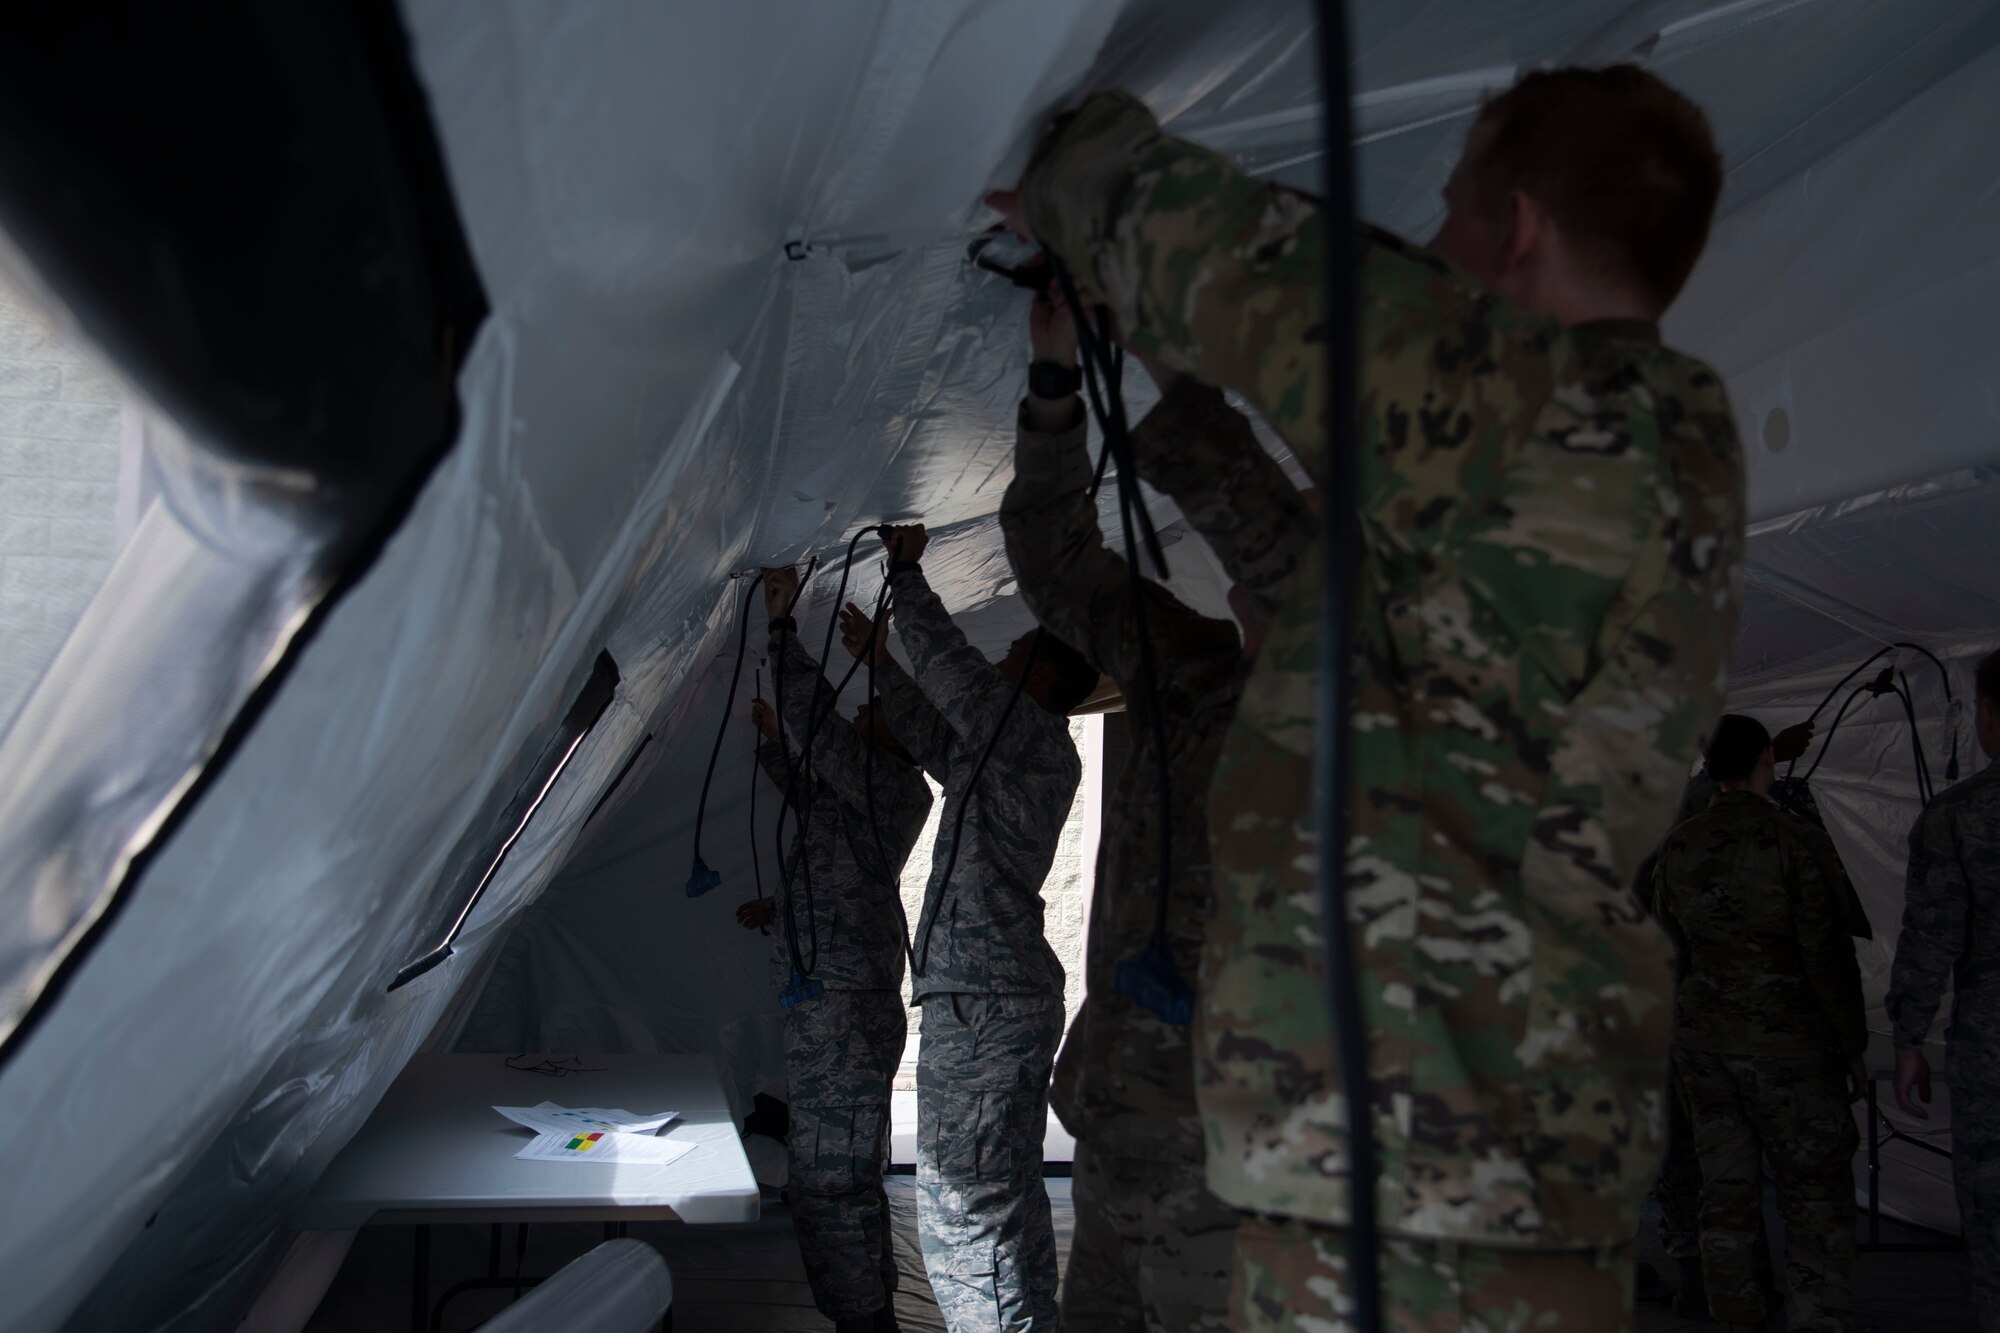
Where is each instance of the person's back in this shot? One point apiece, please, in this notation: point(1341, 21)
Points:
point(1951, 928)
point(837, 919)
point(1768, 1035)
point(1151, 1249)
point(1551, 513)
point(1730, 881)
point(997, 738)
point(1956, 932)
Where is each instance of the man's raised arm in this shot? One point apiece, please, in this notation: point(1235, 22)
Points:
point(913, 719)
point(967, 690)
point(1201, 453)
point(1078, 589)
point(1208, 270)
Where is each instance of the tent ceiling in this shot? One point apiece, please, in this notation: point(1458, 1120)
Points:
point(661, 396)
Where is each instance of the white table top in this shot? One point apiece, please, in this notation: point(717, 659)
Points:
point(436, 1151)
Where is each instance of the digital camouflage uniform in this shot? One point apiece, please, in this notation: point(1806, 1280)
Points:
point(1951, 924)
point(988, 982)
point(1552, 524)
point(1677, 1189)
point(1768, 1016)
point(1151, 1251)
point(842, 1048)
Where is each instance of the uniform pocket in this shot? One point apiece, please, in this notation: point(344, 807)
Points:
point(965, 1281)
point(837, 1149)
point(1005, 1144)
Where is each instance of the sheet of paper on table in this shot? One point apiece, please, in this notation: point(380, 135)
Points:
point(549, 1118)
point(603, 1146)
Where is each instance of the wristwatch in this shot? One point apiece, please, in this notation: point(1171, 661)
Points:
point(1049, 381)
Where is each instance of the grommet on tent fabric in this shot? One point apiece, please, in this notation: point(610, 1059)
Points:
point(701, 879)
point(1151, 981)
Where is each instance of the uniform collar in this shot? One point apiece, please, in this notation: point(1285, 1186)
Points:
point(1622, 330)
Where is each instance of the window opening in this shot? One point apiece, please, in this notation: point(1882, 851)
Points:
point(542, 778)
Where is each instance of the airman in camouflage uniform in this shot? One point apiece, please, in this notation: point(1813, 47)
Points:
point(1152, 1247)
point(1552, 520)
point(842, 1047)
point(1768, 1034)
point(988, 982)
point(1951, 924)
point(1677, 1189)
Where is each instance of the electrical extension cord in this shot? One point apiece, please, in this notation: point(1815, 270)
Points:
point(1331, 775)
point(702, 878)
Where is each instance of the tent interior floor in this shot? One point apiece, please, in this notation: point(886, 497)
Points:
point(748, 1279)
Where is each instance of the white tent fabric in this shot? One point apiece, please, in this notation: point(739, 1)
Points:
point(662, 397)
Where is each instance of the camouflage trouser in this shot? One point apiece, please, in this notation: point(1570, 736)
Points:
point(841, 1052)
point(1152, 1248)
point(1975, 1171)
point(1677, 1189)
point(982, 1109)
point(1291, 1277)
point(1795, 1113)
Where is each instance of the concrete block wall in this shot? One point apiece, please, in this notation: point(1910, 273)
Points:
point(60, 426)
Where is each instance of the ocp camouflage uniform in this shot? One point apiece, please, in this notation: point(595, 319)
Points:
point(990, 986)
point(842, 1048)
point(1152, 1246)
point(1767, 1019)
point(1677, 1189)
point(1552, 522)
point(1951, 924)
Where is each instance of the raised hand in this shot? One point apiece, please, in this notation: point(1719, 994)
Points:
point(1792, 742)
point(857, 631)
point(906, 541)
point(1007, 203)
point(781, 589)
point(757, 914)
point(764, 719)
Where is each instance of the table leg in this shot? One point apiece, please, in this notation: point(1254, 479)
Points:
point(420, 1282)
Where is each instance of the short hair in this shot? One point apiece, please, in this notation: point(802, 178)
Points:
point(1986, 679)
point(1735, 747)
point(1075, 678)
point(1626, 165)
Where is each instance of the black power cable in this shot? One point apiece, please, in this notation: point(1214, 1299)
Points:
point(1150, 979)
point(802, 985)
point(1848, 703)
point(1925, 790)
point(700, 878)
point(1889, 680)
point(1944, 675)
point(1331, 770)
point(756, 861)
point(920, 954)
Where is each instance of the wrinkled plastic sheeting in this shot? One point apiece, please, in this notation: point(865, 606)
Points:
point(204, 596)
point(661, 398)
point(902, 369)
point(1850, 307)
